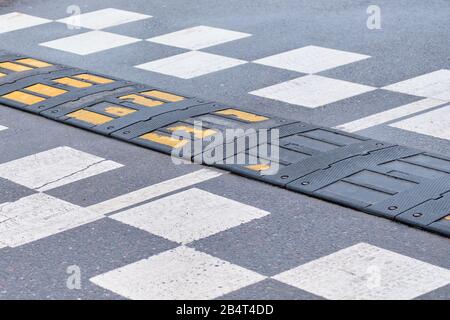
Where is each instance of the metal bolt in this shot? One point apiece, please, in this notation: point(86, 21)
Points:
point(393, 208)
point(284, 177)
point(417, 215)
point(305, 183)
point(126, 132)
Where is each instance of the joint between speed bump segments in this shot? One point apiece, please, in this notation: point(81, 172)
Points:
point(383, 179)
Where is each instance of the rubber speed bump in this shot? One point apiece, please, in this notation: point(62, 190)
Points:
point(384, 179)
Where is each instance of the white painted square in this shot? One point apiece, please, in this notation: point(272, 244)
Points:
point(434, 123)
point(311, 59)
point(54, 168)
point(432, 85)
point(179, 274)
point(39, 216)
point(198, 37)
point(16, 21)
point(103, 18)
point(89, 42)
point(190, 64)
point(189, 215)
point(363, 272)
point(312, 91)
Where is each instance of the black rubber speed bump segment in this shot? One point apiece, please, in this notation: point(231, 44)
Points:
point(384, 179)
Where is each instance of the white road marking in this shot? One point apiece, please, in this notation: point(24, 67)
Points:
point(311, 59)
point(104, 18)
point(190, 64)
point(198, 37)
point(16, 21)
point(435, 123)
point(53, 168)
point(312, 91)
point(39, 216)
point(3, 128)
point(364, 271)
point(189, 215)
point(181, 273)
point(390, 115)
point(89, 42)
point(154, 191)
point(432, 85)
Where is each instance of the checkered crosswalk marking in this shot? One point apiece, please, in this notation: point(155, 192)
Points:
point(15, 21)
point(435, 123)
point(104, 18)
point(189, 215)
point(312, 91)
point(432, 85)
point(190, 64)
point(39, 216)
point(90, 42)
point(364, 271)
point(54, 168)
point(199, 37)
point(390, 115)
point(311, 59)
point(181, 273)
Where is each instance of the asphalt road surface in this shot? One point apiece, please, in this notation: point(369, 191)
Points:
point(83, 216)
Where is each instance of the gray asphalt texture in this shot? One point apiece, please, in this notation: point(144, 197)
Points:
point(414, 39)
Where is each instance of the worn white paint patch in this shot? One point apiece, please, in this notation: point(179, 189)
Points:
point(312, 91)
point(16, 21)
point(189, 215)
point(89, 42)
point(390, 115)
point(3, 128)
point(364, 271)
point(435, 123)
point(311, 59)
point(54, 168)
point(154, 191)
point(39, 216)
point(104, 18)
point(181, 273)
point(198, 37)
point(190, 64)
point(432, 85)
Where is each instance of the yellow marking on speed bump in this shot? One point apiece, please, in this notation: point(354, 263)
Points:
point(242, 115)
point(447, 218)
point(165, 140)
point(258, 167)
point(90, 117)
point(146, 102)
point(93, 78)
point(72, 82)
point(45, 90)
point(23, 97)
point(198, 133)
point(163, 95)
point(118, 111)
point(34, 63)
point(14, 66)
point(2, 74)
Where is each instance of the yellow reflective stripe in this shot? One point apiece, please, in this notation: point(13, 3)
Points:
point(14, 66)
point(447, 218)
point(23, 97)
point(165, 140)
point(258, 167)
point(34, 63)
point(242, 115)
point(119, 111)
point(45, 90)
point(198, 133)
point(72, 82)
point(90, 117)
point(92, 78)
point(146, 102)
point(2, 74)
point(163, 95)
